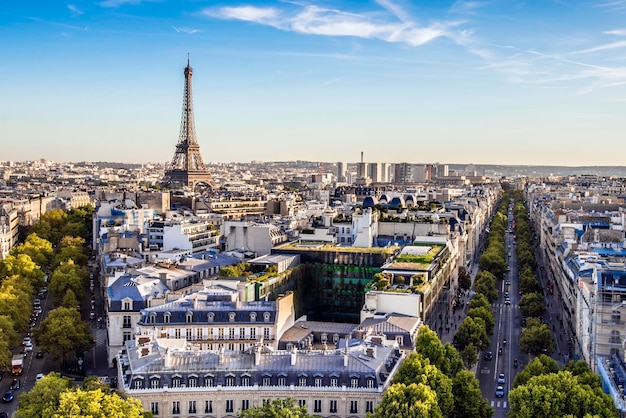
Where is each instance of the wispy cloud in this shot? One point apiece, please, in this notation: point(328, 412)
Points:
point(465, 6)
point(118, 3)
point(612, 45)
point(189, 31)
point(75, 11)
point(618, 32)
point(315, 20)
point(613, 5)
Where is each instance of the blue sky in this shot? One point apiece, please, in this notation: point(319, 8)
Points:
point(502, 82)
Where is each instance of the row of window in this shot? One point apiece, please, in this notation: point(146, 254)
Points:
point(230, 380)
point(229, 406)
point(189, 317)
point(214, 333)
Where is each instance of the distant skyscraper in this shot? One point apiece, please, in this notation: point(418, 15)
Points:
point(342, 169)
point(187, 168)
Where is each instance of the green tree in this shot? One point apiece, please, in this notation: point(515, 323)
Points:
point(443, 356)
point(408, 401)
point(468, 399)
point(469, 355)
point(15, 297)
point(479, 300)
point(37, 248)
point(97, 404)
point(417, 369)
point(62, 332)
point(580, 369)
point(557, 395)
point(277, 408)
point(71, 248)
point(493, 262)
point(69, 300)
point(7, 330)
point(23, 266)
point(472, 331)
point(465, 280)
point(66, 276)
point(485, 284)
point(532, 304)
point(486, 314)
point(43, 399)
point(539, 365)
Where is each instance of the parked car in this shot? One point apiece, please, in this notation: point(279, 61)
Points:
point(39, 354)
point(39, 376)
point(15, 384)
point(8, 396)
point(26, 340)
point(28, 347)
point(488, 355)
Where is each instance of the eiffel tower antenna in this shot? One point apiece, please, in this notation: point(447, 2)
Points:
point(187, 168)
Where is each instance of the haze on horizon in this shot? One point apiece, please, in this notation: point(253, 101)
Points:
point(532, 83)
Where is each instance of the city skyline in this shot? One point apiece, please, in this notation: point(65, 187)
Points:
point(538, 83)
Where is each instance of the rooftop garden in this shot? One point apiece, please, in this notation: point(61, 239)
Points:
point(303, 246)
point(385, 282)
point(250, 272)
point(423, 260)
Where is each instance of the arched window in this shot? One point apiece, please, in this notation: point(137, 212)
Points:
point(252, 316)
point(166, 317)
point(231, 317)
point(266, 316)
point(189, 317)
point(210, 316)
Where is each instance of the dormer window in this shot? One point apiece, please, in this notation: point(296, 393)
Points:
point(166, 317)
point(266, 316)
point(127, 305)
point(252, 316)
point(152, 317)
point(210, 316)
point(231, 317)
point(189, 317)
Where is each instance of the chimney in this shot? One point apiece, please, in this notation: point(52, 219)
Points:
point(257, 354)
point(221, 357)
point(294, 355)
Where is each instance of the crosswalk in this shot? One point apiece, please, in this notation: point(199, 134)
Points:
point(499, 404)
point(500, 305)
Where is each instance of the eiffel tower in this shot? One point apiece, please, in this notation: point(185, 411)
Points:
point(187, 168)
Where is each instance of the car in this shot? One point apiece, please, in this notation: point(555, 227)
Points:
point(507, 301)
point(15, 384)
point(488, 355)
point(27, 340)
point(39, 354)
point(39, 376)
point(500, 392)
point(8, 396)
point(508, 283)
point(28, 347)
point(37, 302)
point(501, 378)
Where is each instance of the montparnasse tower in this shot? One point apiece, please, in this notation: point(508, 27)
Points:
point(187, 168)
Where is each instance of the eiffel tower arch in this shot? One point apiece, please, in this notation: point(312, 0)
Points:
point(187, 170)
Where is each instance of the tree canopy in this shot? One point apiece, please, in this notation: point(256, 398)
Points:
point(557, 395)
point(276, 408)
point(416, 400)
point(62, 332)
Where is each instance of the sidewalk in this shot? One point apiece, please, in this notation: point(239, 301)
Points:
point(458, 315)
